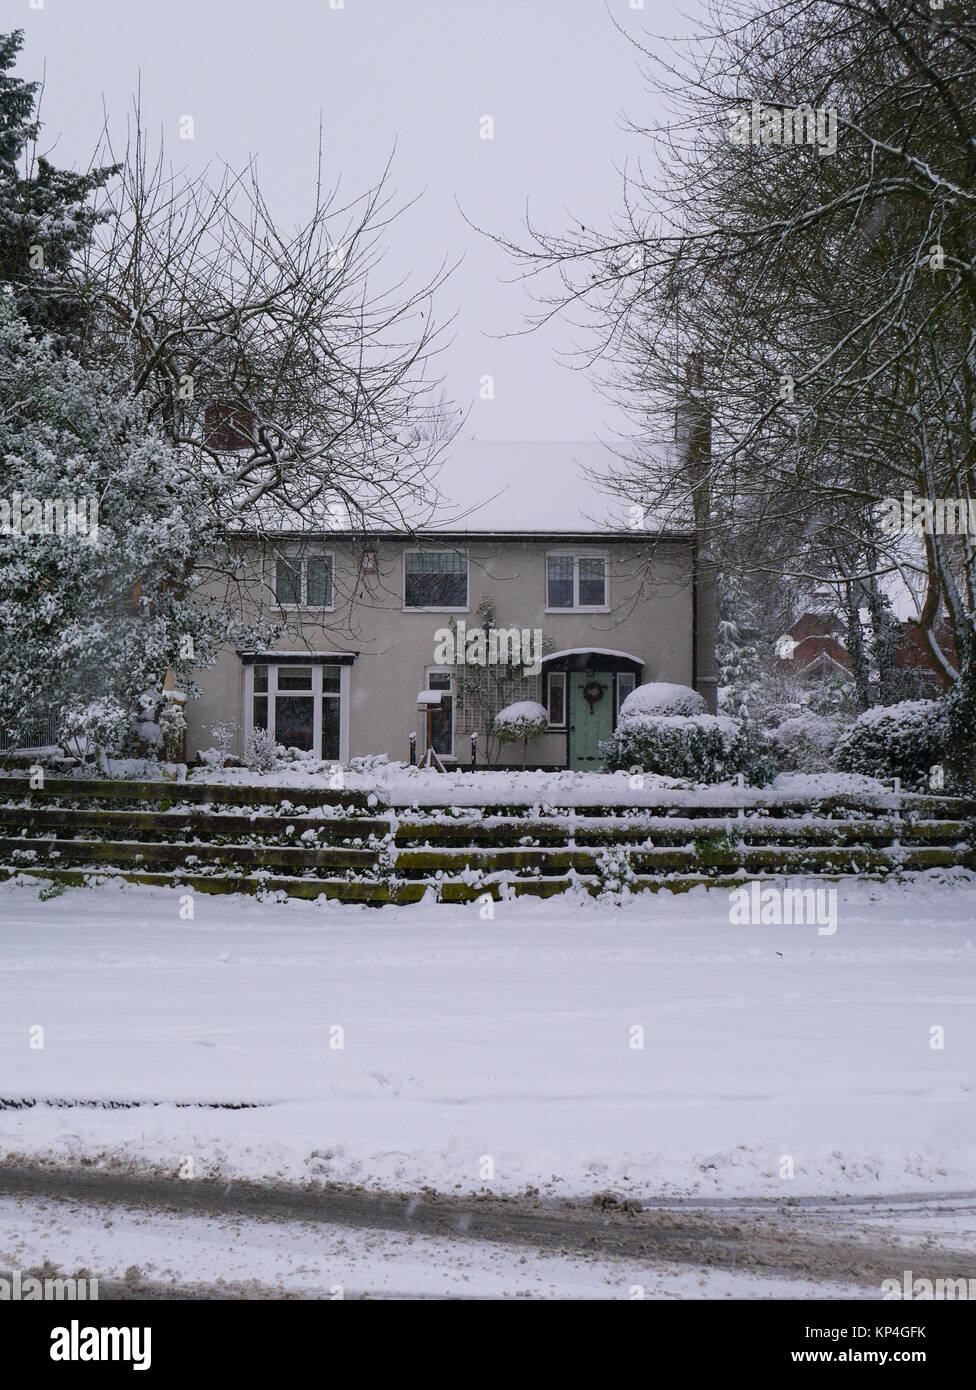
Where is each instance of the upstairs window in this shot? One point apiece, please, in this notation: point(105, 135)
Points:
point(304, 581)
point(576, 581)
point(435, 579)
point(561, 590)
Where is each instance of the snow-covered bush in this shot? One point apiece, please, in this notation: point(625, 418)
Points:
point(665, 729)
point(615, 873)
point(810, 713)
point(700, 747)
point(661, 698)
point(524, 720)
point(260, 751)
point(375, 762)
point(904, 740)
point(145, 735)
point(97, 729)
point(172, 727)
point(805, 742)
point(224, 732)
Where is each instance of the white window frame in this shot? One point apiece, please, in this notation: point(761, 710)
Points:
point(441, 550)
point(576, 556)
point(247, 723)
point(452, 691)
point(557, 675)
point(302, 557)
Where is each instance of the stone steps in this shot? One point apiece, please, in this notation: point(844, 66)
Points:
point(310, 842)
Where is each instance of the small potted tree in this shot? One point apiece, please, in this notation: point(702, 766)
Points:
point(523, 720)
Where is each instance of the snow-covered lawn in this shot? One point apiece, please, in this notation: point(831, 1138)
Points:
point(398, 785)
point(496, 1054)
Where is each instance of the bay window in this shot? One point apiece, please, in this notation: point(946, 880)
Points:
point(299, 705)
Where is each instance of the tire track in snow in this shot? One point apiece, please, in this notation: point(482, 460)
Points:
point(750, 1237)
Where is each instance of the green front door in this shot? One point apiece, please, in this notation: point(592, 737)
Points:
point(590, 720)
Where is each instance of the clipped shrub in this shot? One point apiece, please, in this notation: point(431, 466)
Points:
point(662, 698)
point(524, 720)
point(700, 747)
point(904, 740)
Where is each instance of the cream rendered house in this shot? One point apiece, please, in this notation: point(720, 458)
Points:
point(365, 614)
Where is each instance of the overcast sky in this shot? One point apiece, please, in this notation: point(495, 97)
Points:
point(556, 77)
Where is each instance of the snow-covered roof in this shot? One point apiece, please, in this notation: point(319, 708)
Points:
point(512, 486)
point(497, 487)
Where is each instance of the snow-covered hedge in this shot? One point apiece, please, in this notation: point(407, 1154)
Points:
point(904, 740)
point(665, 729)
point(700, 747)
point(662, 698)
point(805, 742)
point(524, 719)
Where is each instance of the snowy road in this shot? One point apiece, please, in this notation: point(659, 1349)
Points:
point(152, 1237)
point(655, 1048)
point(432, 1101)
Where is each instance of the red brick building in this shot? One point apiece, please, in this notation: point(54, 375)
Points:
point(814, 646)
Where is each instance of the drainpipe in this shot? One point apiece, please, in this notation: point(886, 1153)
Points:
point(693, 436)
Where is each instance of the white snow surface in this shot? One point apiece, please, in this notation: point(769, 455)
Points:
point(545, 486)
point(396, 784)
point(499, 487)
point(514, 1040)
point(662, 697)
point(253, 1257)
point(523, 715)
